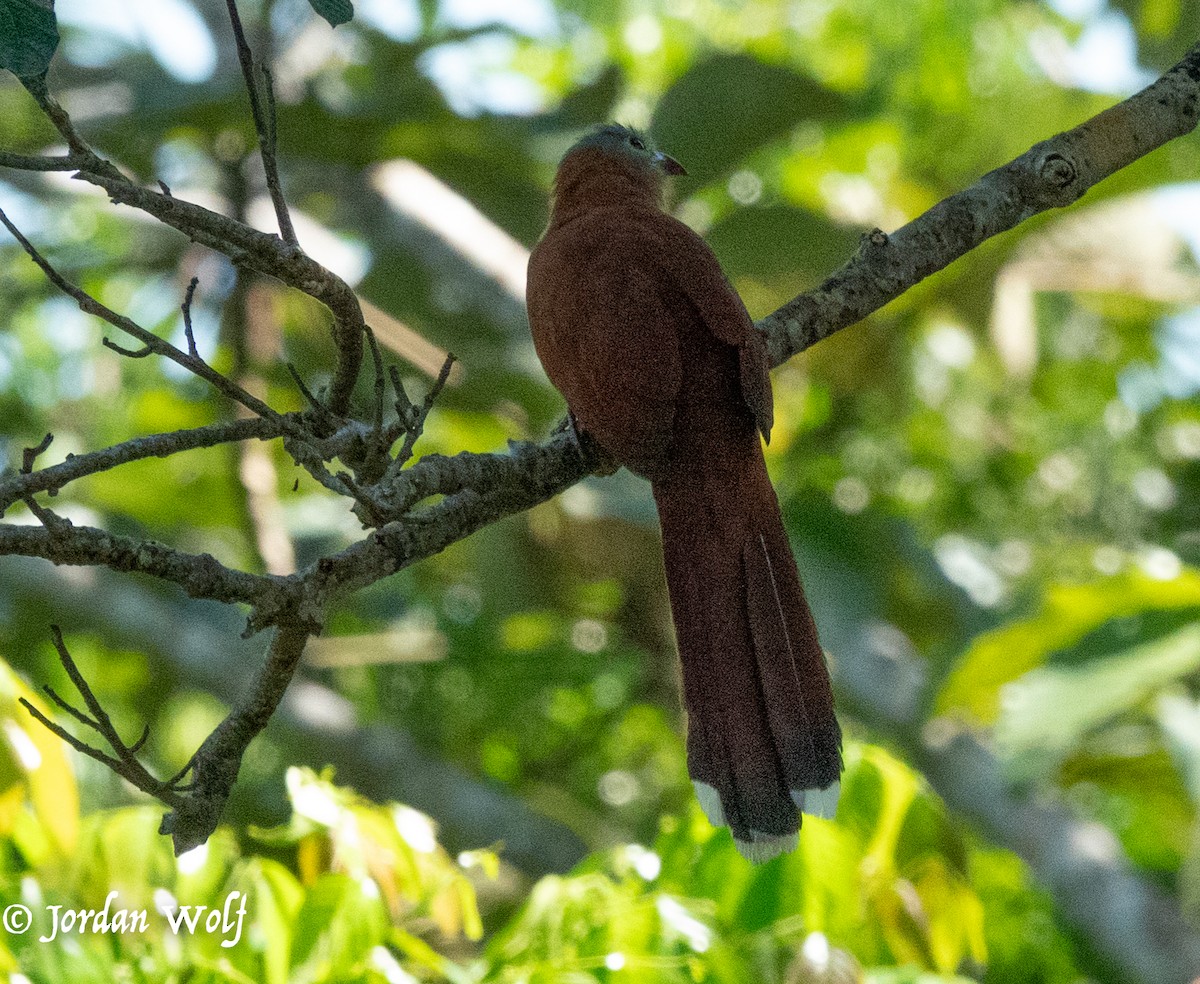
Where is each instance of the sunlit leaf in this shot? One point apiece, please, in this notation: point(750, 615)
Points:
point(1067, 614)
point(34, 768)
point(1050, 708)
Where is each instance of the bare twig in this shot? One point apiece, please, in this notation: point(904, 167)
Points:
point(380, 380)
point(126, 763)
point(264, 123)
point(30, 456)
point(313, 402)
point(412, 422)
point(152, 342)
point(186, 309)
point(141, 353)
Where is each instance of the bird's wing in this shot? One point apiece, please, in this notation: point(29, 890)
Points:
point(696, 273)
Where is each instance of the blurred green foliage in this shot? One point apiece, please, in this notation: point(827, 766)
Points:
point(1000, 468)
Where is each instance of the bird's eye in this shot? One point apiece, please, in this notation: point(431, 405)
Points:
point(636, 142)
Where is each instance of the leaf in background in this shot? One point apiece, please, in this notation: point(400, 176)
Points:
point(762, 241)
point(588, 104)
point(335, 11)
point(34, 768)
point(724, 108)
point(28, 37)
point(1179, 718)
point(1068, 613)
point(1047, 712)
point(1135, 789)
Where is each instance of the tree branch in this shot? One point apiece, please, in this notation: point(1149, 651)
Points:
point(126, 763)
point(264, 123)
point(26, 162)
point(200, 575)
point(216, 763)
point(52, 479)
point(1051, 174)
point(150, 342)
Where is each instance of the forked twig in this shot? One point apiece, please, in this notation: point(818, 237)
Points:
point(125, 763)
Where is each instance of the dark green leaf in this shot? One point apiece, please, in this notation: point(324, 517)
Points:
point(335, 11)
point(726, 107)
point(774, 239)
point(28, 37)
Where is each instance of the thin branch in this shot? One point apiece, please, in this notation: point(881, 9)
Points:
point(264, 123)
point(26, 162)
point(241, 243)
point(87, 159)
point(30, 456)
point(141, 353)
point(126, 763)
point(266, 254)
point(186, 309)
point(77, 466)
point(380, 380)
point(88, 304)
point(314, 403)
point(413, 421)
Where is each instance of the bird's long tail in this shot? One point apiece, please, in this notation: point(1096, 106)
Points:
point(763, 742)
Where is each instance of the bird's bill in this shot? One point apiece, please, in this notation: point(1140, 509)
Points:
point(668, 164)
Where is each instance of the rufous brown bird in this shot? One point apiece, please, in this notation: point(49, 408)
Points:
point(637, 326)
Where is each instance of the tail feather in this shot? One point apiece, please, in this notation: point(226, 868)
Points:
point(763, 742)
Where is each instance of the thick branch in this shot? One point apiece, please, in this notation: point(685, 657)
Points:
point(216, 763)
point(1051, 174)
point(479, 489)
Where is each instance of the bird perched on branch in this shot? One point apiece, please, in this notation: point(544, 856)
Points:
point(661, 365)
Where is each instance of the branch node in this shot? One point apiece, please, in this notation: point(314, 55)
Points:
point(1056, 170)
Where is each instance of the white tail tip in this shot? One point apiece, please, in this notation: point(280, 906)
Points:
point(821, 803)
point(710, 802)
point(762, 847)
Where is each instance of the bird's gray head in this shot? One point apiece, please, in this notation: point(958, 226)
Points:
point(624, 142)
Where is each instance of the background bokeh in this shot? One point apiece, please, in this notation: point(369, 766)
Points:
point(991, 487)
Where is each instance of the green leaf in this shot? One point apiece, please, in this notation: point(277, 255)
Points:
point(28, 37)
point(1068, 613)
point(335, 11)
point(1052, 708)
point(724, 108)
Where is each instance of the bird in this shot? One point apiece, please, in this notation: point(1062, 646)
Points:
point(662, 367)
